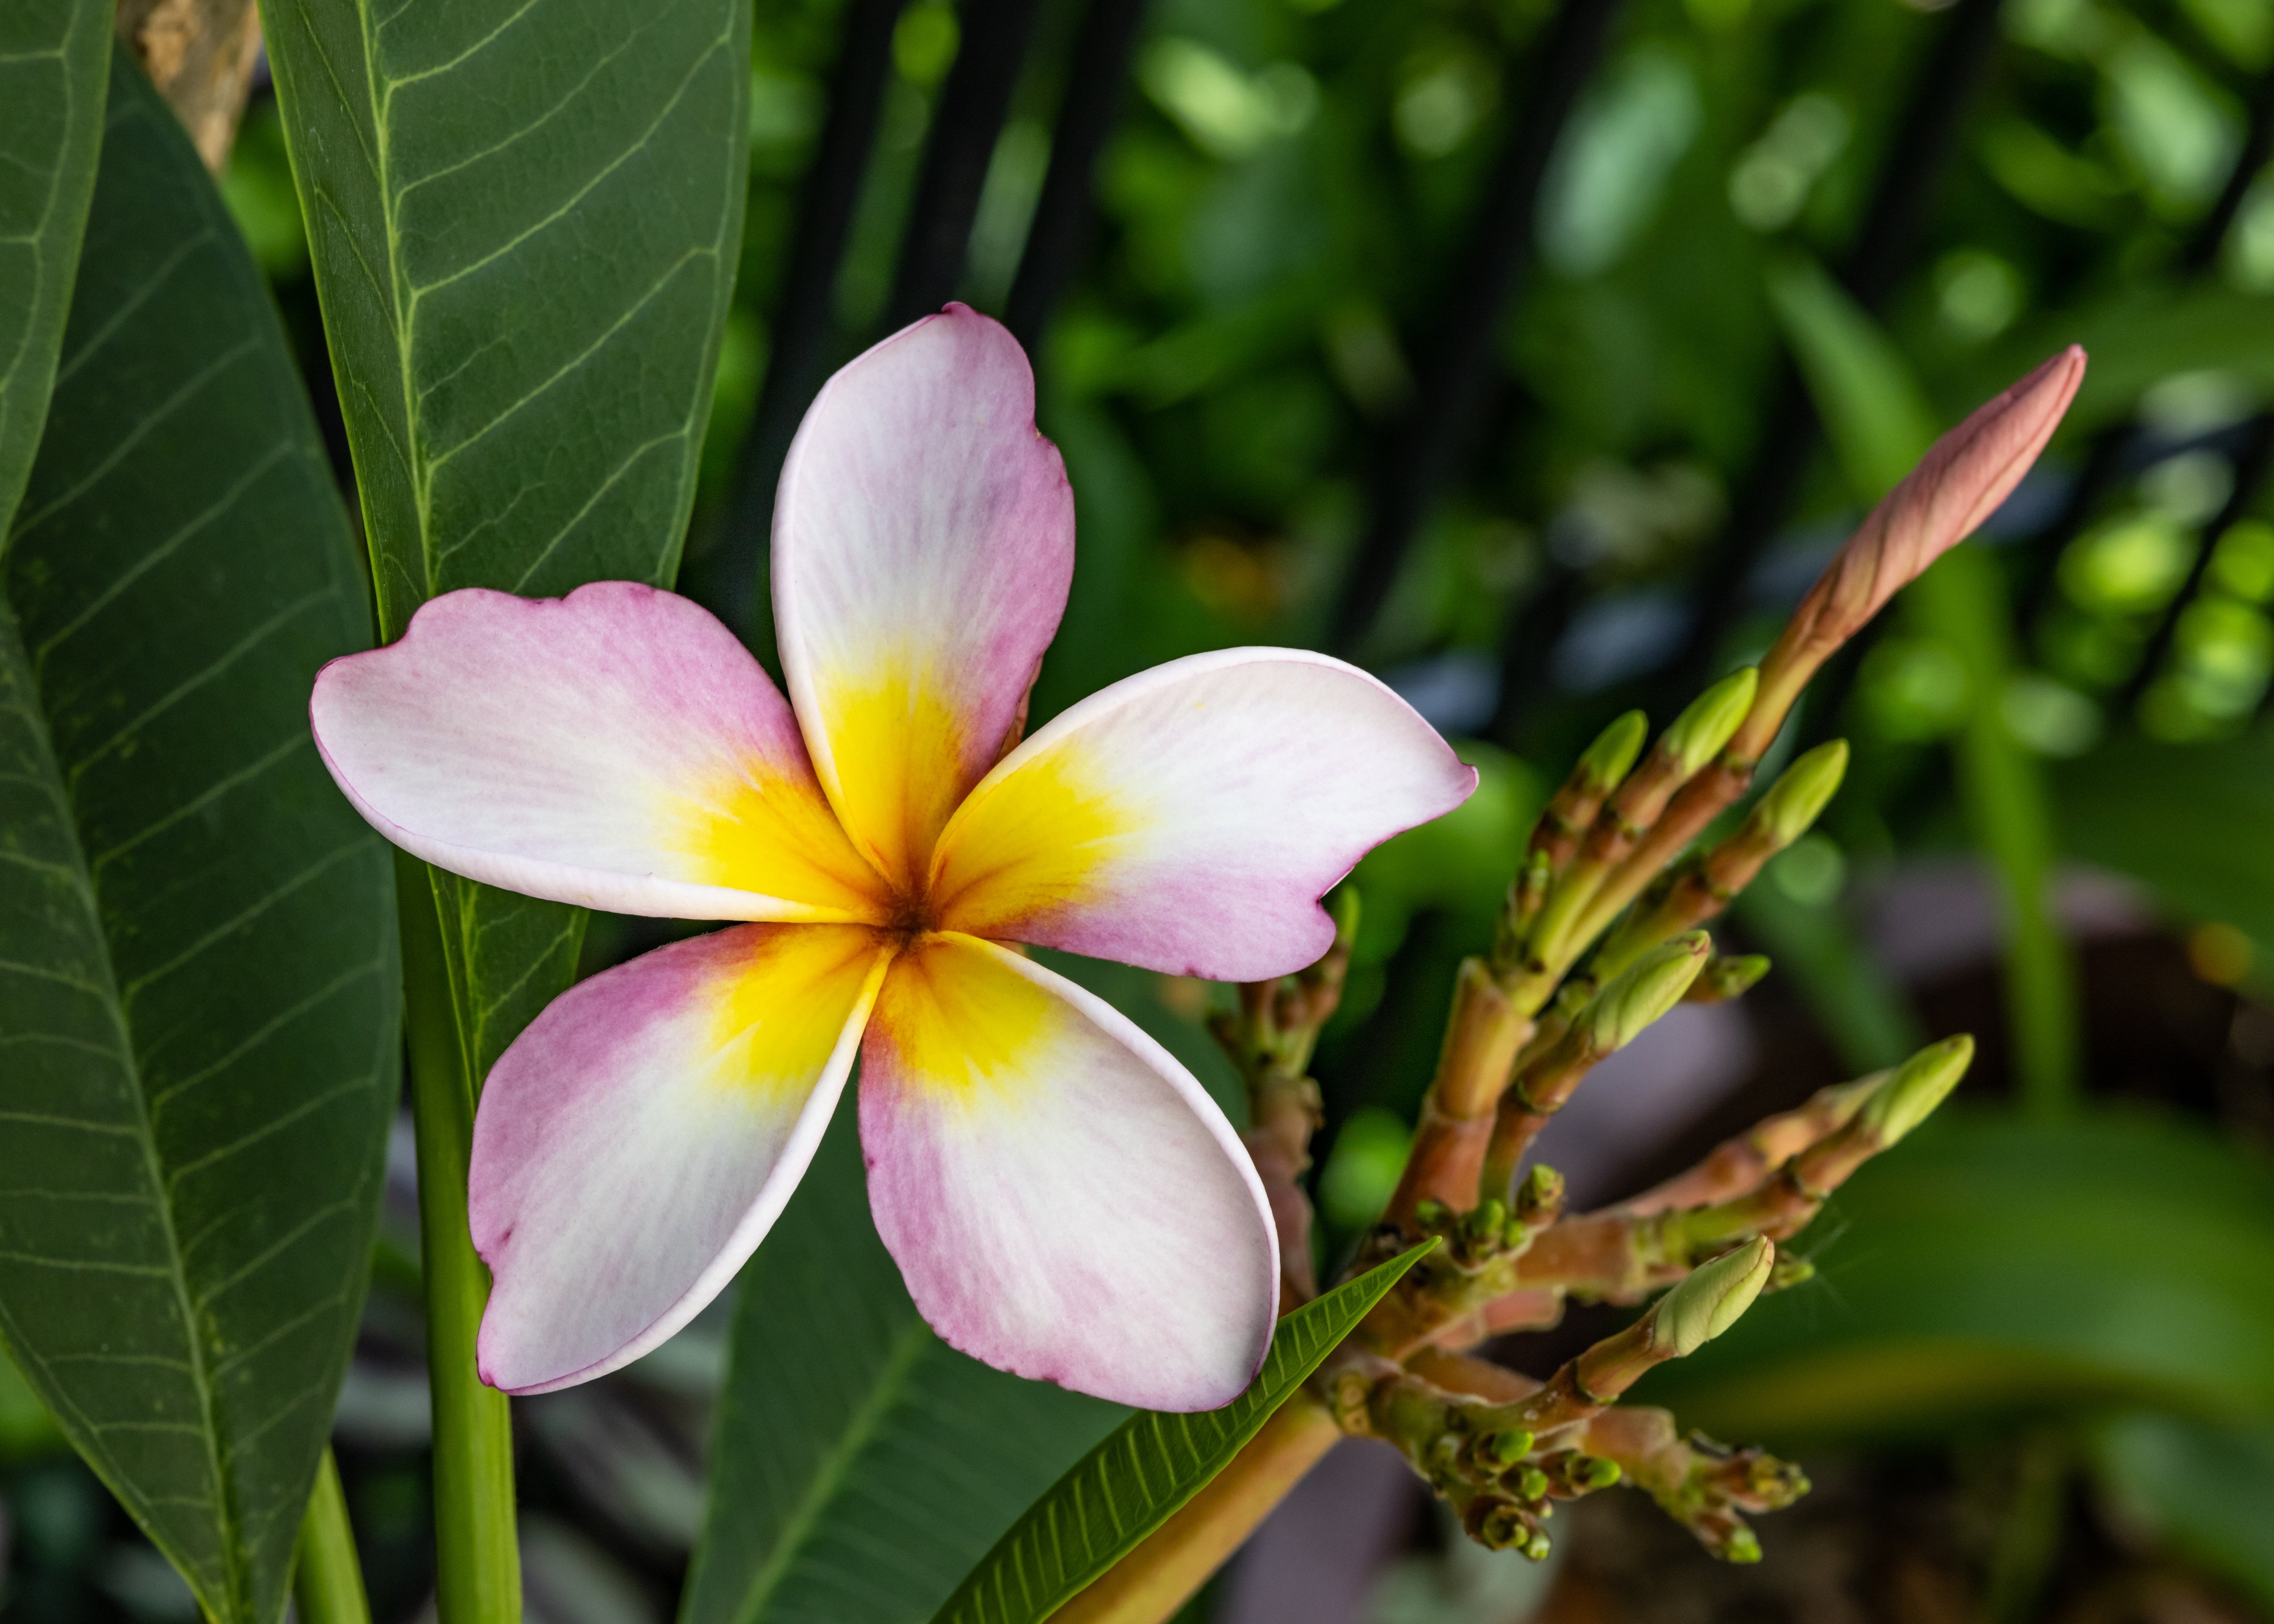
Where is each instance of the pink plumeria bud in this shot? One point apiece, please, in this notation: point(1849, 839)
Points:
point(1957, 485)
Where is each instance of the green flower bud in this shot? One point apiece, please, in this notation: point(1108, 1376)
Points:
point(1541, 1193)
point(1793, 803)
point(1596, 1472)
point(1916, 1087)
point(1498, 1451)
point(1709, 1301)
point(1645, 990)
point(1699, 732)
point(1431, 1217)
point(1530, 1483)
point(1482, 1226)
point(1612, 757)
point(1790, 1272)
point(1537, 1547)
point(1743, 1545)
point(1497, 1524)
point(1723, 979)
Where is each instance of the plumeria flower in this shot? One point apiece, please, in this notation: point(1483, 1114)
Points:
point(1063, 1199)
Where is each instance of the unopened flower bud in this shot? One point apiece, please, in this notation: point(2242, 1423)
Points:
point(1431, 1217)
point(1709, 1302)
point(1916, 1087)
point(1699, 732)
point(1743, 1546)
point(1595, 1471)
point(1530, 1484)
point(1496, 1523)
point(1482, 1225)
point(1612, 757)
point(1723, 979)
point(1957, 485)
point(1790, 1272)
point(1537, 1547)
point(1795, 800)
point(1645, 990)
point(1540, 1194)
point(1498, 1451)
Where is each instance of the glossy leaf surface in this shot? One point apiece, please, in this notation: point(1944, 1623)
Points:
point(1138, 1478)
point(1992, 1265)
point(55, 55)
point(860, 1466)
point(197, 983)
point(523, 216)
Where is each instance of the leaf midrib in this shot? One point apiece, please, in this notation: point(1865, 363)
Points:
point(107, 993)
point(836, 1464)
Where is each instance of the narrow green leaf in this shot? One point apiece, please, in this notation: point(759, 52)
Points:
point(197, 986)
point(55, 60)
point(860, 1466)
point(1993, 1265)
point(1138, 1478)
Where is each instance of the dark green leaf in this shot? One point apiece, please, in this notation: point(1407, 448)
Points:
point(861, 1465)
point(525, 216)
point(2189, 819)
point(198, 991)
point(1991, 1264)
point(54, 57)
point(1153, 1463)
point(2206, 1491)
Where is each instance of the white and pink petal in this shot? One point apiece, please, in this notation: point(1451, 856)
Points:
point(636, 1143)
point(923, 547)
point(1062, 1198)
point(1189, 818)
point(617, 749)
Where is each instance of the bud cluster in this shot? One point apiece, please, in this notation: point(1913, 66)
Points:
point(1601, 935)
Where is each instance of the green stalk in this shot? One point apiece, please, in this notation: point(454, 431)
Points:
point(477, 1563)
point(326, 1580)
point(1961, 602)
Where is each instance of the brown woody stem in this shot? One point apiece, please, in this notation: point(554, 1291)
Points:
point(1160, 1575)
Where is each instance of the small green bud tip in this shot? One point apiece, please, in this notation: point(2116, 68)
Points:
point(1744, 1545)
point(1431, 1215)
point(1598, 1473)
point(1504, 1449)
point(1646, 989)
point(1709, 1302)
point(1532, 1484)
point(1795, 800)
point(1790, 1272)
point(1343, 909)
point(1729, 978)
point(1699, 732)
point(1542, 1188)
point(1909, 1096)
point(1537, 1547)
point(1612, 757)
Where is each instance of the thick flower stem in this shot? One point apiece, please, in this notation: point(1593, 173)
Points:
point(1160, 1575)
point(327, 1579)
point(478, 1561)
point(1483, 1038)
